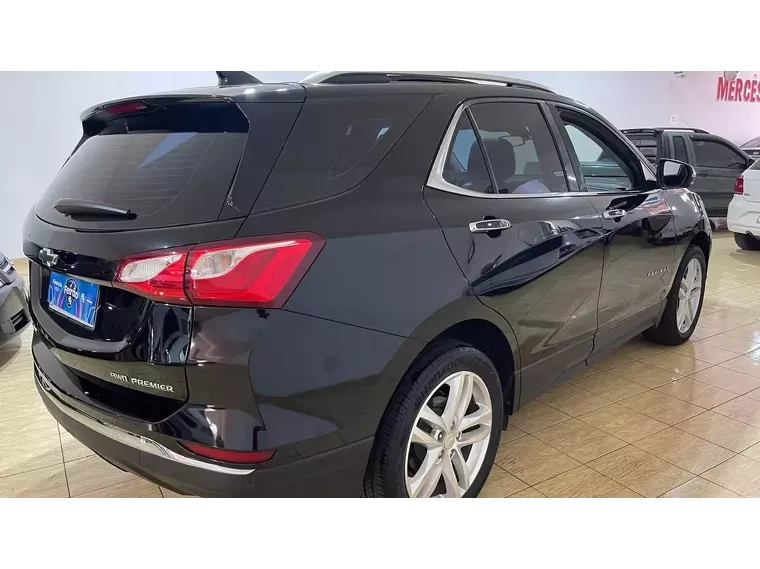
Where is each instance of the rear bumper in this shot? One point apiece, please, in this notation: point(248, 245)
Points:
point(743, 216)
point(14, 310)
point(335, 473)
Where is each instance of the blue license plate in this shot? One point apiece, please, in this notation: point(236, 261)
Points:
point(74, 298)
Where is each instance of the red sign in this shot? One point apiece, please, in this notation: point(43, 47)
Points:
point(737, 90)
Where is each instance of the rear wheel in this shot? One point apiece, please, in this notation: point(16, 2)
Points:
point(747, 242)
point(684, 302)
point(440, 433)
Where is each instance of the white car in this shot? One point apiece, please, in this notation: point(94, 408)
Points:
point(744, 210)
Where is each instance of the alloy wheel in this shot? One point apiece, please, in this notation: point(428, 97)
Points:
point(689, 294)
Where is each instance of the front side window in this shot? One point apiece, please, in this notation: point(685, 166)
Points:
point(512, 151)
point(714, 154)
point(602, 163)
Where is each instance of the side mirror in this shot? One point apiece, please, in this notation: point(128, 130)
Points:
point(673, 174)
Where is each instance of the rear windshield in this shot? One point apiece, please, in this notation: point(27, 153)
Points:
point(172, 166)
point(335, 144)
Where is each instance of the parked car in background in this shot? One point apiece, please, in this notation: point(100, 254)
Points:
point(14, 310)
point(716, 161)
point(744, 210)
point(346, 285)
point(752, 147)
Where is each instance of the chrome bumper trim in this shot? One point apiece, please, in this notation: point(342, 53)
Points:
point(133, 440)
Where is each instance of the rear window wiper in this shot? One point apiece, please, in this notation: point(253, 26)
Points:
point(74, 207)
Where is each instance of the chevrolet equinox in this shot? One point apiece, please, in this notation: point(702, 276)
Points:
point(345, 286)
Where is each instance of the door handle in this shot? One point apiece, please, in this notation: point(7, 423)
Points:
point(613, 213)
point(489, 225)
point(702, 173)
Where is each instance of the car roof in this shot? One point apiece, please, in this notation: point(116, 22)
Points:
point(329, 85)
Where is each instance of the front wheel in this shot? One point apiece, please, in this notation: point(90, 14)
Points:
point(684, 302)
point(440, 433)
point(746, 242)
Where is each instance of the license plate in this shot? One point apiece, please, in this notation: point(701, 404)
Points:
point(74, 298)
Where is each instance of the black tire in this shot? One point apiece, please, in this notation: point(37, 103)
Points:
point(666, 332)
point(747, 242)
point(387, 466)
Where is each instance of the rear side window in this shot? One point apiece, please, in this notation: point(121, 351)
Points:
point(714, 154)
point(335, 145)
point(679, 146)
point(647, 145)
point(466, 167)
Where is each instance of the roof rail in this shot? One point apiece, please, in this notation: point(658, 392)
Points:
point(229, 78)
point(354, 77)
point(663, 129)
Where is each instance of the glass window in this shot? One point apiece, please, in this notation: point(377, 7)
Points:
point(679, 143)
point(714, 154)
point(603, 169)
point(520, 148)
point(466, 166)
point(754, 143)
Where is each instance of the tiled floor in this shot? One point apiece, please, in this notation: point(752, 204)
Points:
point(649, 420)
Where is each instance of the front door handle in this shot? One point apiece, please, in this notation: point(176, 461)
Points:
point(613, 213)
point(488, 225)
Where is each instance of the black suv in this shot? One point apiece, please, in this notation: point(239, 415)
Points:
point(717, 161)
point(344, 286)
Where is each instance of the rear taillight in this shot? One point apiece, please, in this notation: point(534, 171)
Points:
point(260, 272)
point(234, 456)
point(739, 185)
point(128, 107)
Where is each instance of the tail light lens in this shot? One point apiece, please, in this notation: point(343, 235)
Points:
point(258, 272)
point(233, 456)
point(739, 185)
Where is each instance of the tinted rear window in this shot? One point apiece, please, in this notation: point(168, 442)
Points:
point(335, 144)
point(171, 166)
point(647, 145)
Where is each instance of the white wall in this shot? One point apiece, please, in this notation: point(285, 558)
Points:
point(39, 122)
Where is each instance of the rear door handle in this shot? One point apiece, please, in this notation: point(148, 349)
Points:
point(489, 225)
point(613, 213)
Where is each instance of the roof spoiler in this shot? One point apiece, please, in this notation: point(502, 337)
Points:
point(235, 78)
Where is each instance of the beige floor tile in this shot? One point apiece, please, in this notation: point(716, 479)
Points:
point(700, 488)
point(579, 440)
point(721, 430)
point(582, 482)
point(20, 406)
point(572, 400)
point(662, 407)
point(607, 386)
point(28, 429)
point(644, 374)
point(533, 461)
point(501, 484)
point(640, 471)
point(731, 316)
point(739, 474)
point(23, 456)
point(742, 409)
point(639, 348)
point(73, 449)
point(93, 473)
point(684, 450)
point(171, 494)
point(47, 482)
point(700, 333)
point(536, 416)
point(727, 379)
point(677, 364)
point(137, 488)
point(730, 343)
point(612, 361)
point(753, 452)
point(510, 434)
point(751, 333)
point(744, 364)
point(528, 493)
point(705, 353)
point(623, 423)
point(696, 392)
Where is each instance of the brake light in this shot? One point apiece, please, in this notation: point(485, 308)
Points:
point(257, 271)
point(739, 185)
point(130, 107)
point(225, 455)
